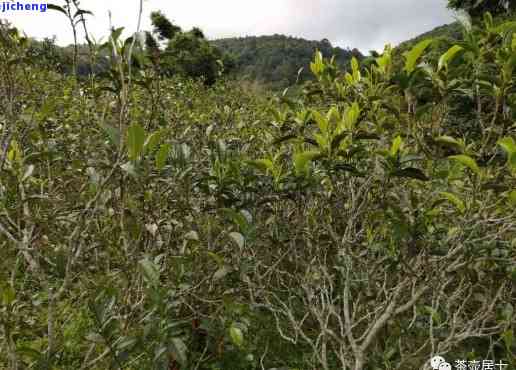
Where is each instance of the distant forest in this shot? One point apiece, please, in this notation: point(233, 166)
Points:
point(276, 60)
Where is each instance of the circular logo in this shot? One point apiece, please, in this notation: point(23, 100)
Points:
point(437, 361)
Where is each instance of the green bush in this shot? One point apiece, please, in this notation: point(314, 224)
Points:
point(365, 222)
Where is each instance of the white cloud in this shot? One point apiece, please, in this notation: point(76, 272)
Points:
point(365, 24)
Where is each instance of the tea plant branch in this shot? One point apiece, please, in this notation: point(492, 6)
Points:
point(5, 142)
point(67, 11)
point(8, 234)
point(80, 12)
point(348, 324)
point(8, 128)
point(129, 63)
point(74, 253)
point(97, 359)
point(85, 362)
point(11, 347)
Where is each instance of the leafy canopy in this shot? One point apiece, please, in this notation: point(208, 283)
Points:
point(478, 7)
point(163, 27)
point(186, 53)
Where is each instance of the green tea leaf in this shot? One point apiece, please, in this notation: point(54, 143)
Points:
point(302, 160)
point(384, 62)
point(317, 67)
point(116, 33)
point(448, 56)
point(238, 218)
point(455, 200)
point(355, 67)
point(218, 259)
point(152, 141)
point(508, 338)
point(162, 155)
point(8, 295)
point(322, 121)
point(15, 154)
point(113, 134)
point(352, 115)
point(512, 197)
point(396, 146)
point(57, 8)
point(467, 161)
point(150, 271)
point(126, 343)
point(237, 336)
point(412, 56)
point(179, 350)
point(135, 141)
point(512, 161)
point(263, 165)
point(450, 141)
point(508, 145)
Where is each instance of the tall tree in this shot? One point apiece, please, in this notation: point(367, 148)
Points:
point(197, 32)
point(186, 53)
point(165, 29)
point(194, 56)
point(478, 7)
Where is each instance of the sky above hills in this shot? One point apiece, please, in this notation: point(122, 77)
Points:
point(364, 24)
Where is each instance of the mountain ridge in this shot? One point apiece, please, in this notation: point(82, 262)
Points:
point(277, 59)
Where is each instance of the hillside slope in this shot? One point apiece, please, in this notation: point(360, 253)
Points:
point(451, 31)
point(276, 59)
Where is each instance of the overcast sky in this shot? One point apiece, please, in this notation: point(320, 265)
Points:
point(364, 24)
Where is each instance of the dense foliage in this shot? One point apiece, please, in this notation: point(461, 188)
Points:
point(186, 53)
point(276, 60)
point(268, 61)
point(445, 35)
point(368, 222)
point(165, 29)
point(479, 7)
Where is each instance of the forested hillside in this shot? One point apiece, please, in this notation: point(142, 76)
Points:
point(276, 60)
point(447, 34)
point(273, 62)
point(158, 215)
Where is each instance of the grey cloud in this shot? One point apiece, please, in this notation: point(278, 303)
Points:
point(369, 24)
point(365, 24)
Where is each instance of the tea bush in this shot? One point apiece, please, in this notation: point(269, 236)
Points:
point(367, 222)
